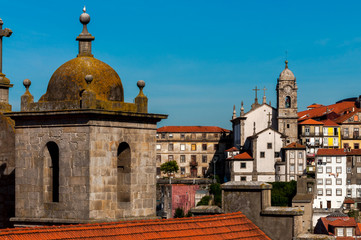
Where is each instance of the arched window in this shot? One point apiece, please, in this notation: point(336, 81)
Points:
point(123, 172)
point(51, 172)
point(288, 102)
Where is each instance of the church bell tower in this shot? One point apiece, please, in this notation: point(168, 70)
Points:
point(287, 104)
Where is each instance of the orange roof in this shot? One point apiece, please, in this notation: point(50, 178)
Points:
point(295, 145)
point(331, 152)
point(338, 108)
point(315, 105)
point(339, 222)
point(349, 201)
point(329, 123)
point(243, 156)
point(344, 117)
point(232, 149)
point(311, 122)
point(189, 129)
point(354, 152)
point(223, 226)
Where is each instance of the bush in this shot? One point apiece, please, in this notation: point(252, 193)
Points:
point(283, 193)
point(179, 213)
point(204, 201)
point(216, 190)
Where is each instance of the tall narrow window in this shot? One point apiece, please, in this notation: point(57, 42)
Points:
point(123, 172)
point(288, 102)
point(51, 172)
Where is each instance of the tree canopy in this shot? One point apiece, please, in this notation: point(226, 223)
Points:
point(169, 167)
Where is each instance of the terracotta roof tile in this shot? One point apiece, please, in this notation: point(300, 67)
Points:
point(331, 152)
point(232, 149)
point(330, 123)
point(295, 145)
point(243, 156)
point(354, 152)
point(344, 117)
point(349, 201)
point(311, 122)
point(337, 108)
point(315, 105)
point(223, 226)
point(188, 129)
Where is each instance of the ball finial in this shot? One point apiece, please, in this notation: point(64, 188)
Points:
point(141, 84)
point(88, 78)
point(27, 83)
point(84, 17)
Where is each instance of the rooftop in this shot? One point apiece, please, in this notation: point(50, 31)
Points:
point(192, 129)
point(223, 226)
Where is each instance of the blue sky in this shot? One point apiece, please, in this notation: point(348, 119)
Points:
point(198, 58)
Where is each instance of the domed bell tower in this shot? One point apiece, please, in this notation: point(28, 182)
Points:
point(287, 104)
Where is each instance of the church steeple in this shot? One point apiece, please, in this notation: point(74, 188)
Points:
point(287, 104)
point(85, 38)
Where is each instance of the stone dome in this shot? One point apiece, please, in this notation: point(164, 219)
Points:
point(287, 74)
point(69, 80)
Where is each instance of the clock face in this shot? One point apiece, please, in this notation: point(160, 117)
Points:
point(288, 89)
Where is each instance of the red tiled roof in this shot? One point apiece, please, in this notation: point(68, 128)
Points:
point(223, 226)
point(188, 129)
point(339, 222)
point(330, 123)
point(331, 152)
point(354, 152)
point(295, 145)
point(349, 201)
point(344, 117)
point(232, 149)
point(311, 122)
point(243, 156)
point(315, 105)
point(337, 108)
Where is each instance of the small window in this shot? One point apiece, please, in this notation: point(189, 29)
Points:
point(328, 192)
point(292, 168)
point(358, 169)
point(328, 169)
point(158, 146)
point(338, 160)
point(328, 181)
point(319, 181)
point(338, 169)
point(170, 158)
point(194, 147)
point(216, 135)
point(158, 171)
point(204, 146)
point(269, 145)
point(243, 165)
point(339, 192)
point(163, 135)
point(339, 232)
point(204, 171)
point(319, 169)
point(157, 135)
point(328, 159)
point(338, 181)
point(300, 168)
point(204, 135)
point(277, 154)
point(170, 147)
point(348, 170)
point(194, 158)
point(183, 170)
point(182, 135)
point(319, 192)
point(170, 135)
point(182, 158)
point(356, 146)
point(204, 158)
point(349, 231)
point(243, 179)
point(288, 126)
point(349, 192)
point(182, 147)
point(262, 154)
point(300, 154)
point(159, 158)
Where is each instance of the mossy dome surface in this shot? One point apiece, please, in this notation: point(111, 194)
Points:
point(69, 80)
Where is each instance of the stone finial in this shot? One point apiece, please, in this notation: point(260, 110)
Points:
point(141, 100)
point(242, 109)
point(264, 95)
point(85, 38)
point(89, 78)
point(234, 112)
point(26, 98)
point(286, 62)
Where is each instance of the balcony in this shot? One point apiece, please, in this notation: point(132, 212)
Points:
point(350, 137)
point(311, 134)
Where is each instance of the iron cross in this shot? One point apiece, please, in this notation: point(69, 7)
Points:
point(3, 33)
point(264, 91)
point(256, 89)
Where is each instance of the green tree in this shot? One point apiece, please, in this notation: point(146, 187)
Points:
point(283, 193)
point(216, 190)
point(169, 167)
point(204, 201)
point(179, 213)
